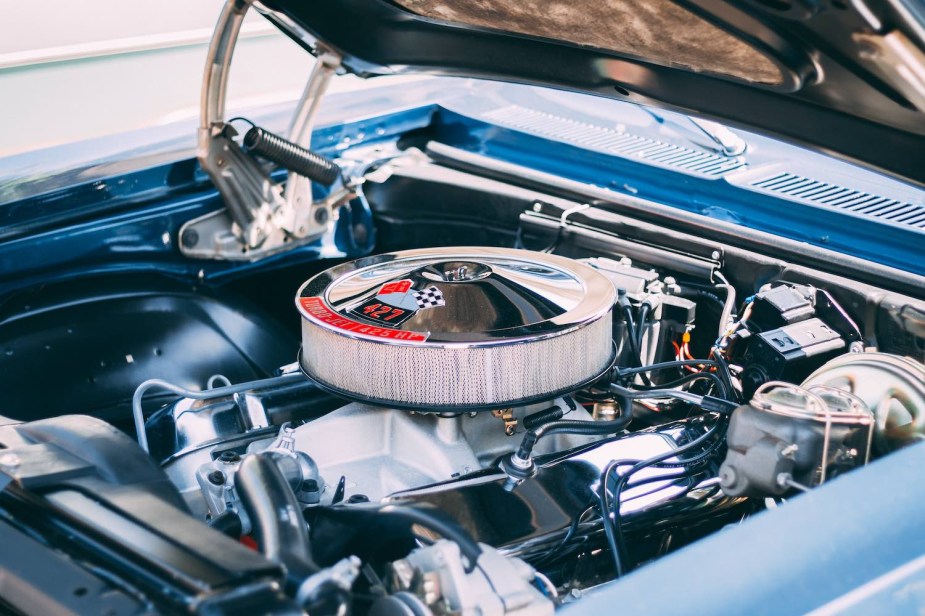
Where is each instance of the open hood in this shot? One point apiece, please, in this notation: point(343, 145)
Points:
point(846, 77)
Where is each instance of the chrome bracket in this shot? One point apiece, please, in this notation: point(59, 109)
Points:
point(259, 217)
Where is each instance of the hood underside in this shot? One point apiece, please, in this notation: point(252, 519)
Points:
point(843, 76)
point(626, 27)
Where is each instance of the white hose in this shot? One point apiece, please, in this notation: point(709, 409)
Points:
point(215, 379)
point(725, 319)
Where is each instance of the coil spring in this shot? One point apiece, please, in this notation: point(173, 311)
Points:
point(291, 156)
point(553, 413)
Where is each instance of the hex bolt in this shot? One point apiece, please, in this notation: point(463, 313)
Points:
point(216, 478)
point(727, 476)
point(10, 460)
point(310, 485)
point(190, 238)
point(229, 457)
point(360, 233)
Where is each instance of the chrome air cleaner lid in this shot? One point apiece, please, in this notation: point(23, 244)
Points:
point(456, 327)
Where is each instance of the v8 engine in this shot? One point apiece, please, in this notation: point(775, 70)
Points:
point(487, 430)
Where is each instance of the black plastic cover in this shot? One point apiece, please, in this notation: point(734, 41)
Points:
point(91, 492)
point(789, 353)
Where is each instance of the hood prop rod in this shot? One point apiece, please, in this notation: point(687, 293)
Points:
point(259, 218)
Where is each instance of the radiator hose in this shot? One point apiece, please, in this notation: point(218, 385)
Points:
point(274, 512)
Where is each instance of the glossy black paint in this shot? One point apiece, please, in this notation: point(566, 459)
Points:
point(83, 347)
point(831, 100)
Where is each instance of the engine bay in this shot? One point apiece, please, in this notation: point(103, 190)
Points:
point(572, 415)
point(516, 400)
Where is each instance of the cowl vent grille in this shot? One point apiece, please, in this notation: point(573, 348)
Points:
point(867, 204)
point(612, 141)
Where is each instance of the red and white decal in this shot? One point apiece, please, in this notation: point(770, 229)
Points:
point(316, 307)
point(399, 286)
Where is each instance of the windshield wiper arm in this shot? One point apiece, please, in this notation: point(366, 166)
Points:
point(729, 143)
point(724, 140)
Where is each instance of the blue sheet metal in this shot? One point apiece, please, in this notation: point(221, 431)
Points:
point(892, 245)
point(129, 223)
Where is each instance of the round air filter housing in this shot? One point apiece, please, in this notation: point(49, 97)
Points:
point(456, 328)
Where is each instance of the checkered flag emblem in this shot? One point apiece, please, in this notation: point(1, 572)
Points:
point(431, 297)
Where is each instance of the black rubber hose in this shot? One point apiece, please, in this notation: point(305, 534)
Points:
point(621, 372)
point(694, 294)
point(631, 335)
point(710, 404)
point(468, 546)
point(725, 375)
point(684, 380)
point(566, 426)
point(227, 523)
point(291, 156)
point(275, 515)
point(616, 537)
point(545, 416)
point(644, 311)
